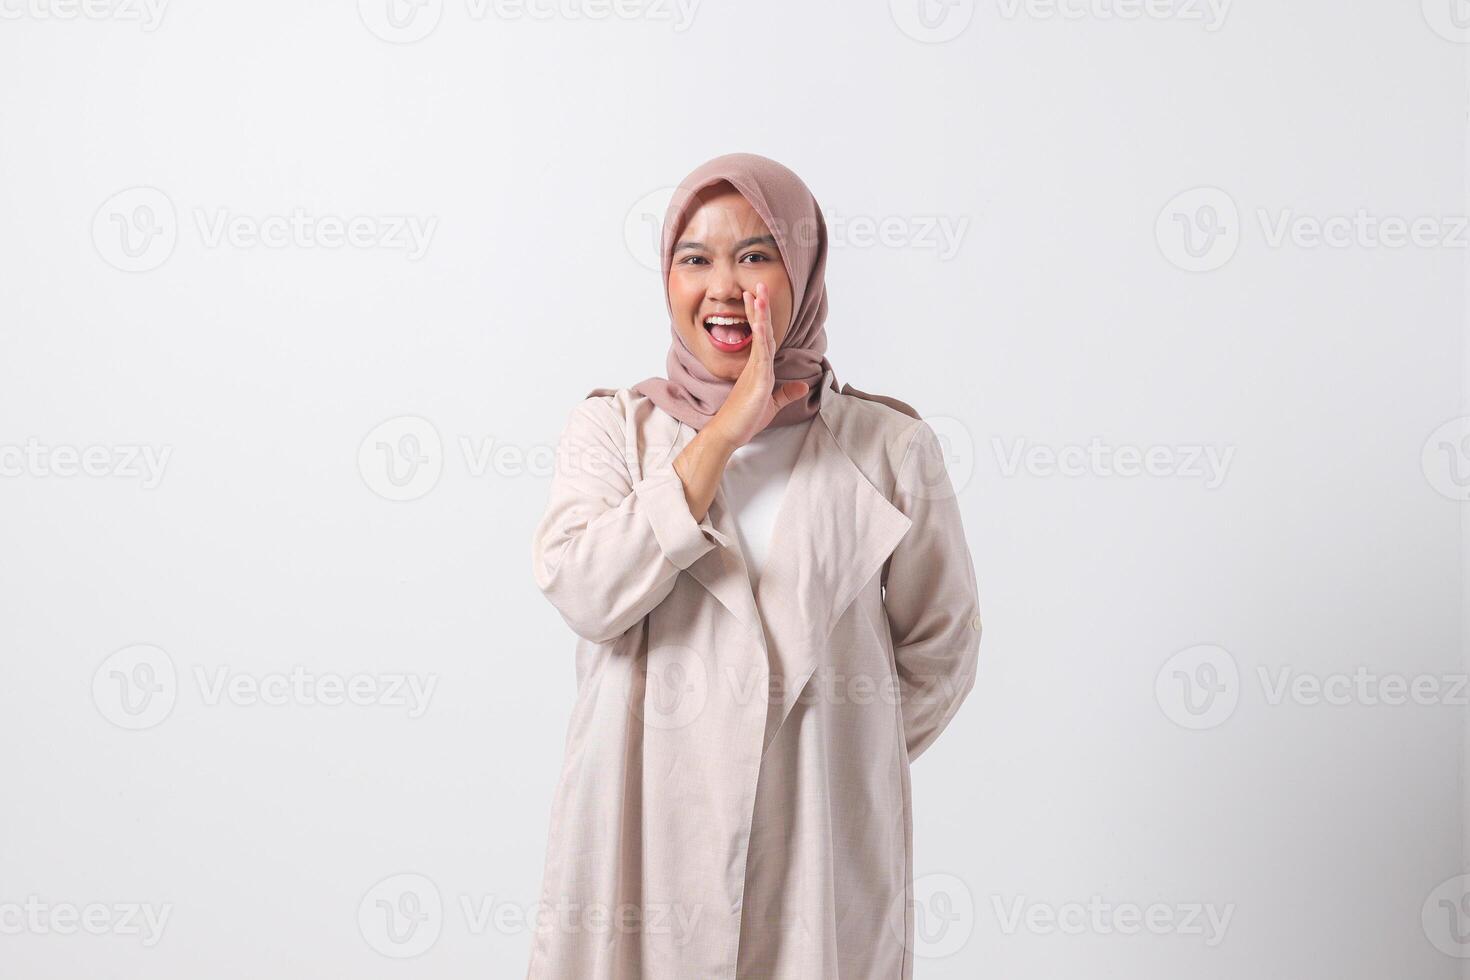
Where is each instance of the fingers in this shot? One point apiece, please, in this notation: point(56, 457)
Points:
point(758, 312)
point(788, 393)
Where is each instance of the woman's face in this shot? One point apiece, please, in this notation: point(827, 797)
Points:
point(723, 250)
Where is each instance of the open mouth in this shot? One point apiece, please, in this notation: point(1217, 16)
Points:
point(728, 333)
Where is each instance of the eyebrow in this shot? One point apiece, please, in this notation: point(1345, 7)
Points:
point(743, 243)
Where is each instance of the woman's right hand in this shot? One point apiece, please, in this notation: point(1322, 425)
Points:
point(755, 399)
point(752, 403)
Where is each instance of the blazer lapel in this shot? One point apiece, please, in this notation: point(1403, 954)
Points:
point(833, 532)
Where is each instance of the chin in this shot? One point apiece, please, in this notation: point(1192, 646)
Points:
point(726, 366)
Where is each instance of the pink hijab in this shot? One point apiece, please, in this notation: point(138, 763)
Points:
point(690, 393)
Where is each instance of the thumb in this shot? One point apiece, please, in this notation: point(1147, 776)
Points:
point(788, 393)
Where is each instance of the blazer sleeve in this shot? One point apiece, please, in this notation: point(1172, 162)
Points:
point(930, 596)
point(613, 539)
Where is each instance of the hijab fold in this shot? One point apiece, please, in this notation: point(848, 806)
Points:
point(690, 393)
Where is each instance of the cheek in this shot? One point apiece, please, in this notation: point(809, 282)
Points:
point(683, 300)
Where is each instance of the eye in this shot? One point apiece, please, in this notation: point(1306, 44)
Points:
point(755, 255)
point(689, 259)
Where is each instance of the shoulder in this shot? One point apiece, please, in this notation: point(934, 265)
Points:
point(622, 418)
point(876, 436)
point(607, 404)
point(863, 423)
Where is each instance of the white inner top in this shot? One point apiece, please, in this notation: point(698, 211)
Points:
point(754, 484)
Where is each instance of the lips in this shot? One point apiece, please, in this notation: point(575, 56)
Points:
point(729, 333)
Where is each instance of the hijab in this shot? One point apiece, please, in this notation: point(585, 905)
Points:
point(690, 393)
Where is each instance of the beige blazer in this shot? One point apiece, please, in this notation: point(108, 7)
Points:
point(734, 798)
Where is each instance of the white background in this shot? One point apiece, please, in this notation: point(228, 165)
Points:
point(533, 150)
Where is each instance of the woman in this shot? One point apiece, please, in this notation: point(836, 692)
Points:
point(777, 614)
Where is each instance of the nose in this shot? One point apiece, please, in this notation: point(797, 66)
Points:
point(724, 285)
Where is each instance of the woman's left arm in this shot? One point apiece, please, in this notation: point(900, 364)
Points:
point(930, 596)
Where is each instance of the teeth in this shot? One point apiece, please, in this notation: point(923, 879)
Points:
point(726, 321)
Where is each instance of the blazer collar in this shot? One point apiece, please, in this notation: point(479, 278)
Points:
point(833, 532)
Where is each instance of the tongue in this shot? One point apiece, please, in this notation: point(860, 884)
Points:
point(728, 335)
